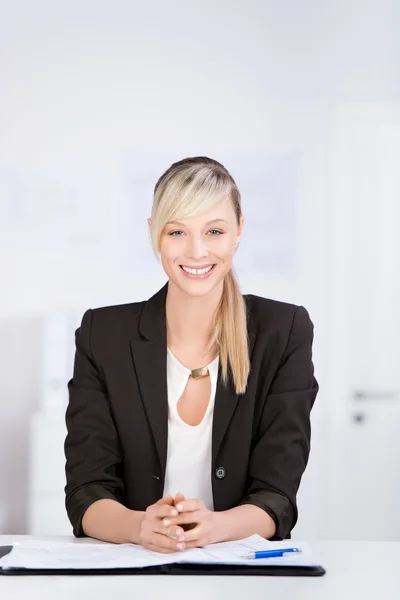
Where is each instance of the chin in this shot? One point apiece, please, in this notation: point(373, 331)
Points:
point(197, 293)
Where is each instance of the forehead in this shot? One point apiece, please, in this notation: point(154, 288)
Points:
point(192, 219)
point(222, 213)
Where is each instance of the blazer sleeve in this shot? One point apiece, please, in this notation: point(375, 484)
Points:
point(282, 448)
point(92, 449)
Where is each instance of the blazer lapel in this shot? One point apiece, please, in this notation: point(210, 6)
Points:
point(150, 362)
point(226, 400)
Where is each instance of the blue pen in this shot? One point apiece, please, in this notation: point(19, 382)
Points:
point(270, 553)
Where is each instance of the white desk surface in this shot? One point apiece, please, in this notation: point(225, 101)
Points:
point(354, 570)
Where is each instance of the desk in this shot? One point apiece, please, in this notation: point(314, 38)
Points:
point(355, 571)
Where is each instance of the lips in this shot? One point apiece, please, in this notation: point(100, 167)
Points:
point(183, 267)
point(203, 275)
point(199, 266)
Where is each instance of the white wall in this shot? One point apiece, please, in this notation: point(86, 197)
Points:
point(98, 98)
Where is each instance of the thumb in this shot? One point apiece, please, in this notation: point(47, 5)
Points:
point(166, 500)
point(178, 498)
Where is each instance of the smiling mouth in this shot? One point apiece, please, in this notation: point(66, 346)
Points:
point(196, 269)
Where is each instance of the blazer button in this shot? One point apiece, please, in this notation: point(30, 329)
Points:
point(220, 472)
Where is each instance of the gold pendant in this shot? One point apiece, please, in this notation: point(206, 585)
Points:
point(198, 373)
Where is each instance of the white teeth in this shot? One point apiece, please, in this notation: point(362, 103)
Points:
point(197, 271)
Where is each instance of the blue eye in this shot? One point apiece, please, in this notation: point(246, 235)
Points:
point(216, 231)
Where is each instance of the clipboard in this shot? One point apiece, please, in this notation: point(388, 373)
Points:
point(175, 569)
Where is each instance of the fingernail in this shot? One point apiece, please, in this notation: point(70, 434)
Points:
point(173, 512)
point(166, 522)
point(179, 546)
point(178, 532)
point(179, 507)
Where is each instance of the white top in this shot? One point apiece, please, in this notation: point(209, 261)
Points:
point(189, 446)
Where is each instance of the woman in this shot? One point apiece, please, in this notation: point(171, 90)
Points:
point(189, 413)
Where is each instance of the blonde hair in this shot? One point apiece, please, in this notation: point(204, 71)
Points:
point(189, 188)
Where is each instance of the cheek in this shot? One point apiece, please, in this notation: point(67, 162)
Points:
point(167, 252)
point(169, 259)
point(167, 263)
point(225, 249)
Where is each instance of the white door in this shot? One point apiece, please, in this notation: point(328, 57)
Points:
point(363, 495)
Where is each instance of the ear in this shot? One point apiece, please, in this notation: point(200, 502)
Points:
point(241, 223)
point(240, 229)
point(149, 223)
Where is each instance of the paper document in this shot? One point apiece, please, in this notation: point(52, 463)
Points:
point(37, 554)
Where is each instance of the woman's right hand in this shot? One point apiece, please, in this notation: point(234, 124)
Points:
point(154, 534)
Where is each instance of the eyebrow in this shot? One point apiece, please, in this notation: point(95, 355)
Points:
point(208, 222)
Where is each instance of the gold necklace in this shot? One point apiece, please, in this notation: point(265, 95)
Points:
point(199, 373)
point(195, 373)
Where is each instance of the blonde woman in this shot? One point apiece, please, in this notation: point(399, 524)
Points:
point(189, 413)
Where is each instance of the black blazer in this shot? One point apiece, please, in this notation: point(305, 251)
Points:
point(117, 416)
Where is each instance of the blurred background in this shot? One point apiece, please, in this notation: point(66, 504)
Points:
point(300, 101)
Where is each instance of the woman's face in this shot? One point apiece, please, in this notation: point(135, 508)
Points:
point(200, 242)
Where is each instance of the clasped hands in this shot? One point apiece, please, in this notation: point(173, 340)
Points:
point(175, 523)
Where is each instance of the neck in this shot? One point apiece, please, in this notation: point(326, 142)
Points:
point(189, 318)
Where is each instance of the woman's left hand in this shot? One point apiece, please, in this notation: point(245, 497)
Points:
point(202, 523)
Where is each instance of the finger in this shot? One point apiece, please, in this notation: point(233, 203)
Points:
point(186, 517)
point(179, 498)
point(166, 500)
point(163, 541)
point(159, 526)
point(190, 505)
point(196, 544)
point(193, 535)
point(175, 532)
point(160, 511)
point(154, 548)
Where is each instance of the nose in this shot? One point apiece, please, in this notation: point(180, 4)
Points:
point(197, 249)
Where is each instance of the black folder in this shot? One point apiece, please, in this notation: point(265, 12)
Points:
point(174, 569)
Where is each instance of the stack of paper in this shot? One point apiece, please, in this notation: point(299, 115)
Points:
point(36, 554)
